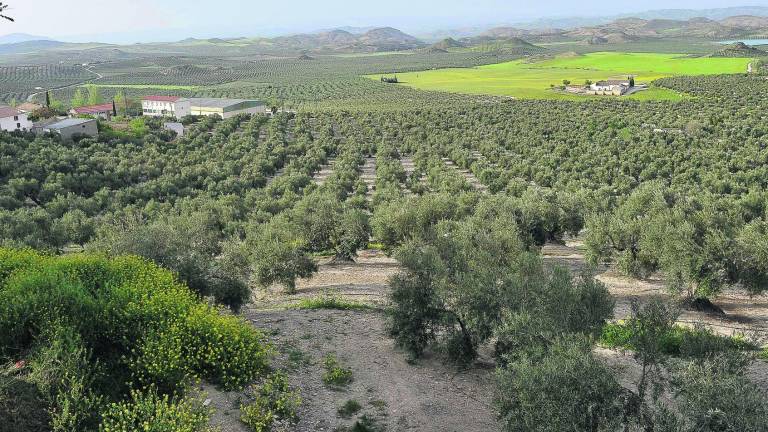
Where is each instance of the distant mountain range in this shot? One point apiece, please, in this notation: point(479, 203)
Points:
point(374, 40)
point(20, 37)
point(369, 40)
point(569, 23)
point(633, 29)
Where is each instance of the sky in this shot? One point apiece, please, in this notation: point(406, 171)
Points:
point(159, 20)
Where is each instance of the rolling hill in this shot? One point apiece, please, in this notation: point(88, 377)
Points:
point(14, 38)
point(633, 29)
point(740, 49)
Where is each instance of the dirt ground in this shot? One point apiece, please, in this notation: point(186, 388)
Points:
point(428, 395)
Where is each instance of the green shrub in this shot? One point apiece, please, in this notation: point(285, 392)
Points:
point(188, 245)
point(150, 412)
point(220, 349)
point(59, 367)
point(714, 395)
point(335, 374)
point(350, 408)
point(272, 400)
point(680, 341)
point(258, 415)
point(93, 329)
point(566, 389)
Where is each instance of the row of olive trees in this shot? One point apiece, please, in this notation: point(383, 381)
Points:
point(472, 276)
point(701, 244)
point(472, 268)
point(559, 384)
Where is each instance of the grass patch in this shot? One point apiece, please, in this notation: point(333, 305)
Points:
point(349, 409)
point(297, 358)
point(336, 375)
point(330, 302)
point(531, 80)
point(680, 342)
point(375, 246)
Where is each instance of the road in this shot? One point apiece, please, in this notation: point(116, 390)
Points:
point(99, 76)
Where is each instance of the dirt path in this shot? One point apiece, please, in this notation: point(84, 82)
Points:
point(743, 314)
point(426, 396)
point(368, 175)
point(31, 98)
point(468, 175)
point(325, 171)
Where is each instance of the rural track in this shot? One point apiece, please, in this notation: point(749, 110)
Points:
point(99, 76)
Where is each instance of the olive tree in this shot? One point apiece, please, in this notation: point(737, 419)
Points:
point(566, 388)
point(329, 224)
point(278, 254)
point(454, 285)
point(190, 245)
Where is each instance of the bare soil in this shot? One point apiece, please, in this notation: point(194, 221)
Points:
point(424, 396)
point(428, 395)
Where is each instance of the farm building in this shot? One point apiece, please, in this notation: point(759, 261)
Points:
point(12, 119)
point(70, 127)
point(226, 108)
point(162, 106)
point(614, 87)
point(176, 127)
point(104, 111)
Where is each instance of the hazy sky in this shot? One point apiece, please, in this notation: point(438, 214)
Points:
point(147, 20)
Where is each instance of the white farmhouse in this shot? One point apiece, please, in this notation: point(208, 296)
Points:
point(163, 106)
point(615, 87)
point(12, 119)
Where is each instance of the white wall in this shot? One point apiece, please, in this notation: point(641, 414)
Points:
point(19, 122)
point(156, 108)
point(183, 108)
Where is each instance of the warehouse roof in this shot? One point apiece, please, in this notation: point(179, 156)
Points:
point(217, 103)
point(69, 123)
point(93, 109)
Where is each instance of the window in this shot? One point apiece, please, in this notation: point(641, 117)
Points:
point(18, 125)
point(15, 118)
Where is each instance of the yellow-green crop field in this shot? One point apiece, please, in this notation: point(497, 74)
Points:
point(532, 80)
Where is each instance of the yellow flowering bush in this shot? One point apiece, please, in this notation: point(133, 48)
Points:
point(138, 326)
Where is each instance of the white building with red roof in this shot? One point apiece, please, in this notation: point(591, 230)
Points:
point(104, 111)
point(163, 106)
point(12, 119)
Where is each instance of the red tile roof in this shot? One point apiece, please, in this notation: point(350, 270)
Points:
point(161, 98)
point(93, 109)
point(6, 111)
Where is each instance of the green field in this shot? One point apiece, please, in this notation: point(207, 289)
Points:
point(532, 80)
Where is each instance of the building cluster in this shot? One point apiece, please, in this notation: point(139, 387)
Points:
point(82, 120)
point(17, 119)
point(611, 87)
point(174, 106)
point(607, 88)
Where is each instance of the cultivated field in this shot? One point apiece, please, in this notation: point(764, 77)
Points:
point(532, 79)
